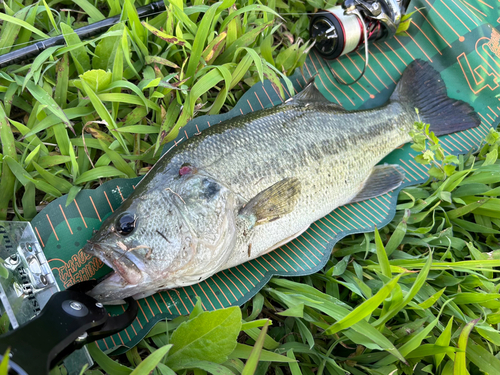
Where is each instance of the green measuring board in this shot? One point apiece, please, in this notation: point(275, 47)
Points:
point(457, 37)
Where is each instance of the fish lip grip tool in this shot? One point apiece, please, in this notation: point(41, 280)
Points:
point(47, 325)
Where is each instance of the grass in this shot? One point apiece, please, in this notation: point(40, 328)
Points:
point(419, 296)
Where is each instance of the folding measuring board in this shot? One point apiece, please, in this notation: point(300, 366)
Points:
point(459, 38)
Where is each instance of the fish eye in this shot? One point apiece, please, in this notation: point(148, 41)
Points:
point(125, 224)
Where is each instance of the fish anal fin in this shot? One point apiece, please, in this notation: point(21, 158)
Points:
point(273, 202)
point(383, 179)
point(309, 95)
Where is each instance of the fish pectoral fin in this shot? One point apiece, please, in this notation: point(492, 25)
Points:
point(310, 94)
point(383, 179)
point(273, 202)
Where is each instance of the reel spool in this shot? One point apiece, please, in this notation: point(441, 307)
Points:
point(343, 29)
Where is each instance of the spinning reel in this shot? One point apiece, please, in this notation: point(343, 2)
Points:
point(344, 28)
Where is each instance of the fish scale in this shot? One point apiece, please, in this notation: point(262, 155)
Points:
point(256, 181)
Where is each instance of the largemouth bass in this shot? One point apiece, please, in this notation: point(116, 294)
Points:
point(254, 182)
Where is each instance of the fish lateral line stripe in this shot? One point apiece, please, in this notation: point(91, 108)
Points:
point(466, 13)
point(424, 34)
point(371, 69)
point(250, 272)
point(388, 59)
point(97, 212)
point(253, 265)
point(364, 75)
point(110, 206)
point(431, 25)
point(463, 23)
point(201, 300)
point(182, 300)
point(53, 230)
point(322, 231)
point(305, 247)
point(80, 212)
point(218, 300)
point(446, 22)
point(299, 250)
point(39, 237)
point(333, 83)
point(228, 288)
point(418, 45)
point(257, 96)
point(237, 278)
point(65, 219)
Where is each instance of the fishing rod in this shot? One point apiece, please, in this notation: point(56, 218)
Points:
point(335, 31)
point(83, 32)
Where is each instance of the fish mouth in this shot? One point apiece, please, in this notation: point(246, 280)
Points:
point(127, 272)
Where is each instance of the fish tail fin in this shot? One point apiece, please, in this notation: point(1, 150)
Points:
point(422, 87)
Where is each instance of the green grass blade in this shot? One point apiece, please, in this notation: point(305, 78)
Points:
point(8, 179)
point(460, 367)
point(91, 10)
point(7, 18)
point(365, 309)
point(107, 364)
point(382, 256)
point(97, 173)
point(149, 364)
point(253, 360)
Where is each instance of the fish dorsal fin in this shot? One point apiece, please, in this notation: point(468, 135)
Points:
point(383, 179)
point(272, 203)
point(310, 94)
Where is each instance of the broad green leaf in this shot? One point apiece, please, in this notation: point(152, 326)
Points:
point(194, 339)
point(97, 79)
point(8, 179)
